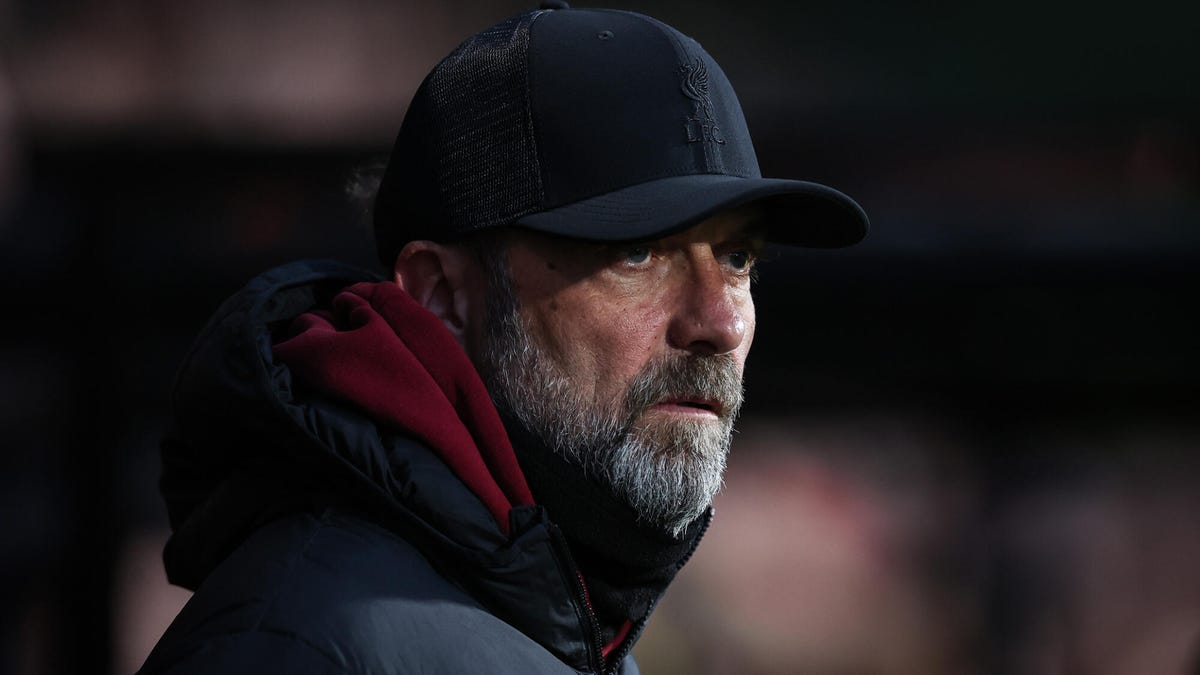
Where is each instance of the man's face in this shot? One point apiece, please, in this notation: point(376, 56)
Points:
point(628, 359)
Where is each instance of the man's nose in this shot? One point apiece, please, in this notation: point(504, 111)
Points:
point(709, 315)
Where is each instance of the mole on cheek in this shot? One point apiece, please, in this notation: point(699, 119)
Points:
point(550, 265)
point(553, 305)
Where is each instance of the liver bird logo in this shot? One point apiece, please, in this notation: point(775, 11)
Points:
point(702, 124)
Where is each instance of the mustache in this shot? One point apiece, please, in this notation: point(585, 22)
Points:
point(712, 379)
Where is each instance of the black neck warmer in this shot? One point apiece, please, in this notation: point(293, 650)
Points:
point(626, 564)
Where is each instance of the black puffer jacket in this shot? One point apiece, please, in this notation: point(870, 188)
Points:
point(318, 542)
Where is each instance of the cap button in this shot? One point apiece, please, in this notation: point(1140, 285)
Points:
point(555, 4)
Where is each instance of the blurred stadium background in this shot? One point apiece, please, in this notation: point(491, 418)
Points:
point(969, 444)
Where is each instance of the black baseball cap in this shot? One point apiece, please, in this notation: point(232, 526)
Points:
point(593, 124)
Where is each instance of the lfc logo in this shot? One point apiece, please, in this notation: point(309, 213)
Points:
point(702, 124)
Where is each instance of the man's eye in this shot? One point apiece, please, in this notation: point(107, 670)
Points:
point(740, 261)
point(637, 255)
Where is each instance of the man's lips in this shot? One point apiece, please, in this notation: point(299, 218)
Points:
point(701, 407)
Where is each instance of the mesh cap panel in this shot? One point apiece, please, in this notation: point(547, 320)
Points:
point(482, 129)
point(467, 138)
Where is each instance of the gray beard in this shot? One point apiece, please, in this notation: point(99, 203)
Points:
point(667, 471)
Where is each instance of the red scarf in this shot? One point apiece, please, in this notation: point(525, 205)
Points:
point(381, 351)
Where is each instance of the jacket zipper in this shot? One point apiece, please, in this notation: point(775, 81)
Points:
point(596, 651)
point(634, 633)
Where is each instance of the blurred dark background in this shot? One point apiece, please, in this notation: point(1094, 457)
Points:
point(969, 444)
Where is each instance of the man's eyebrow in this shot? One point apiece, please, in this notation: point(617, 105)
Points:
point(753, 236)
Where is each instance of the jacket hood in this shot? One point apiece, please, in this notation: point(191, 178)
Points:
point(250, 442)
point(233, 456)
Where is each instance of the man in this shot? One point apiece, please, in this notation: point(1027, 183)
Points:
point(497, 460)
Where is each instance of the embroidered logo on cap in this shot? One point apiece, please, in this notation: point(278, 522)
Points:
point(702, 124)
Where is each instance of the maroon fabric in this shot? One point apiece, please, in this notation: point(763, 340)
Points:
point(381, 351)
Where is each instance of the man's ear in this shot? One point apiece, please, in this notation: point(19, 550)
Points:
point(443, 279)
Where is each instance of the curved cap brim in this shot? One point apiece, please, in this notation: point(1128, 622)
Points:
point(798, 213)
